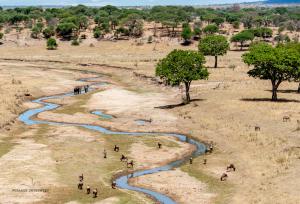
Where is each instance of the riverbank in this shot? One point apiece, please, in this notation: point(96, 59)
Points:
point(228, 107)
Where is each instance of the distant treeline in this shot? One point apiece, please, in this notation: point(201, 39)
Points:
point(71, 21)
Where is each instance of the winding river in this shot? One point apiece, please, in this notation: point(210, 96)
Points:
point(122, 182)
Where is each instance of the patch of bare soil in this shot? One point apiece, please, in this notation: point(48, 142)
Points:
point(25, 170)
point(178, 185)
point(150, 156)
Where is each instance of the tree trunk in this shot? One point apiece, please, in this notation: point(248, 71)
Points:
point(274, 94)
point(216, 61)
point(187, 92)
point(299, 88)
point(274, 90)
point(241, 46)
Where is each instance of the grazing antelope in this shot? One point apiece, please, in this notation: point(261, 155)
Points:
point(88, 190)
point(286, 119)
point(80, 184)
point(224, 177)
point(130, 164)
point(95, 193)
point(123, 158)
point(204, 161)
point(81, 177)
point(231, 166)
point(210, 148)
point(113, 185)
point(104, 154)
point(116, 148)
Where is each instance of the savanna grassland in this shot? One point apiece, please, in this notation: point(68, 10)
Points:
point(122, 47)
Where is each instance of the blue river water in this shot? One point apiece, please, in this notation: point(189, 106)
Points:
point(122, 181)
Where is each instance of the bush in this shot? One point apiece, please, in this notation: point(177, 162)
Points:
point(48, 32)
point(186, 34)
point(150, 39)
point(75, 42)
point(97, 33)
point(236, 25)
point(51, 44)
point(1, 35)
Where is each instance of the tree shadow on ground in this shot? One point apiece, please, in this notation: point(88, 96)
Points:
point(171, 106)
point(281, 100)
point(186, 43)
point(286, 91)
point(212, 67)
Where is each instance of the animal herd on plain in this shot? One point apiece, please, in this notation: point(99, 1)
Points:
point(130, 164)
point(78, 89)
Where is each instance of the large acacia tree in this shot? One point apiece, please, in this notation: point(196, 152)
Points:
point(275, 64)
point(214, 45)
point(182, 66)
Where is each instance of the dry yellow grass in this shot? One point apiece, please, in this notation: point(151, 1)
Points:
point(231, 104)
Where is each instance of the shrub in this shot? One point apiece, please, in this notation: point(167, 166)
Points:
point(51, 44)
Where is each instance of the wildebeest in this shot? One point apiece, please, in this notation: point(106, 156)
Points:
point(130, 164)
point(223, 177)
point(86, 88)
point(81, 177)
point(104, 154)
point(116, 148)
point(88, 190)
point(159, 145)
point(257, 128)
point(95, 193)
point(113, 185)
point(210, 148)
point(123, 158)
point(231, 166)
point(286, 119)
point(80, 184)
point(77, 90)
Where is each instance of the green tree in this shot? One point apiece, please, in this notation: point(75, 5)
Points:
point(51, 44)
point(242, 37)
point(296, 47)
point(218, 21)
point(66, 30)
point(275, 64)
point(182, 66)
point(214, 45)
point(186, 34)
point(211, 29)
point(262, 32)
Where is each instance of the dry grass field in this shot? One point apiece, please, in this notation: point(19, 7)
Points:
point(226, 110)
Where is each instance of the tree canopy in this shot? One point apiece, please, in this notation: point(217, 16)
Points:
point(275, 64)
point(242, 37)
point(186, 34)
point(182, 66)
point(211, 29)
point(214, 45)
